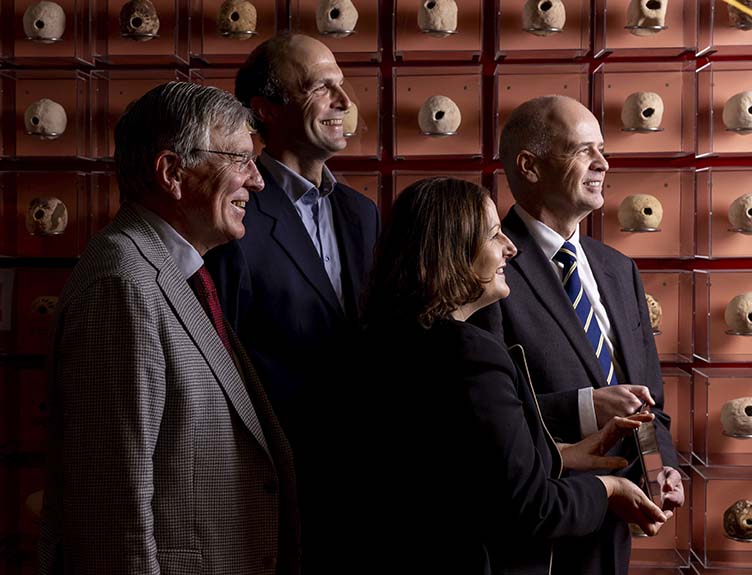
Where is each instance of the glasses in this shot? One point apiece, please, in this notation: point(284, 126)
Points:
point(241, 161)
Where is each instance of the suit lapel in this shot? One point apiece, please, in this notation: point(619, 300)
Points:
point(350, 243)
point(290, 233)
point(533, 268)
point(189, 312)
point(613, 294)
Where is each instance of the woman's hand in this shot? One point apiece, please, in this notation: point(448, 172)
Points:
point(589, 453)
point(630, 503)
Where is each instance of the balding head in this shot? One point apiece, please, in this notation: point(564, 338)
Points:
point(532, 126)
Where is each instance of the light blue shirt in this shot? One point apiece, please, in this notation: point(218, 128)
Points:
point(315, 210)
point(185, 255)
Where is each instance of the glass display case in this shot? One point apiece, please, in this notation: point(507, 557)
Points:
point(646, 110)
point(722, 421)
point(367, 183)
point(724, 212)
point(658, 28)
point(648, 213)
point(226, 31)
point(724, 109)
point(723, 29)
point(47, 33)
point(553, 30)
point(437, 112)
point(517, 83)
point(671, 312)
point(141, 32)
point(48, 113)
point(350, 28)
point(677, 403)
point(723, 315)
point(438, 29)
point(715, 493)
point(36, 295)
point(402, 179)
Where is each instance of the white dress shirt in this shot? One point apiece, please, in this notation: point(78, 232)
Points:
point(550, 242)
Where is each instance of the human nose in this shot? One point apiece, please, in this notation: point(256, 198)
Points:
point(509, 249)
point(254, 181)
point(340, 98)
point(600, 164)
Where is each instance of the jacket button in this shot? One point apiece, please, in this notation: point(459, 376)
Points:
point(270, 562)
point(270, 486)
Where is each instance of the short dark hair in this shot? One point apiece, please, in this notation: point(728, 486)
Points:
point(423, 263)
point(177, 116)
point(259, 75)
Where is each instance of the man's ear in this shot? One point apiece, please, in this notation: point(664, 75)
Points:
point(528, 166)
point(264, 109)
point(167, 173)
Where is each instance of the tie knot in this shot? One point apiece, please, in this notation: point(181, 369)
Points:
point(567, 254)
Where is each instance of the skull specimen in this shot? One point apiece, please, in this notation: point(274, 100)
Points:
point(336, 18)
point(236, 19)
point(350, 121)
point(139, 20)
point(640, 212)
point(439, 116)
point(739, 19)
point(46, 217)
point(740, 213)
point(44, 305)
point(737, 112)
point(645, 17)
point(738, 314)
point(44, 22)
point(438, 18)
point(642, 111)
point(543, 17)
point(45, 118)
point(655, 311)
point(736, 416)
point(737, 520)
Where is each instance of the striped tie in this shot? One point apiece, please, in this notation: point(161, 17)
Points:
point(567, 255)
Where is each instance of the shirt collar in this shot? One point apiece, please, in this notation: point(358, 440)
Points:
point(293, 184)
point(547, 239)
point(186, 257)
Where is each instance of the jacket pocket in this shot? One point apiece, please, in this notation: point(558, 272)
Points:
point(179, 561)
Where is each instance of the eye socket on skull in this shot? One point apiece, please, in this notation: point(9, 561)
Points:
point(136, 22)
point(749, 110)
point(39, 24)
point(430, 5)
point(748, 410)
point(749, 317)
point(653, 5)
point(39, 214)
point(749, 212)
point(35, 120)
point(545, 6)
point(647, 112)
point(648, 211)
point(234, 16)
point(438, 115)
point(334, 14)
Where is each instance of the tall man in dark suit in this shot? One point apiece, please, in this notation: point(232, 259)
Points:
point(166, 456)
point(591, 354)
point(292, 285)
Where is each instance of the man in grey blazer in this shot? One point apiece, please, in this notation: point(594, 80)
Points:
point(165, 454)
point(552, 150)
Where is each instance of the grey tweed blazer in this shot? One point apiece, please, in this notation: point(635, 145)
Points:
point(163, 458)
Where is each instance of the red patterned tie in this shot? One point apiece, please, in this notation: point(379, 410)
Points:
point(203, 286)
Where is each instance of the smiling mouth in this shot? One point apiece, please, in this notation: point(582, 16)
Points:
point(594, 183)
point(238, 203)
point(332, 122)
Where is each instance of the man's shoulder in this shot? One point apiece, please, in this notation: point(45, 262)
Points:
point(353, 196)
point(605, 254)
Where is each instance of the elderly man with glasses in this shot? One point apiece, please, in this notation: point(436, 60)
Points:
point(166, 456)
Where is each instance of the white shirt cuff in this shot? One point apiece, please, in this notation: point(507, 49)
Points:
point(588, 421)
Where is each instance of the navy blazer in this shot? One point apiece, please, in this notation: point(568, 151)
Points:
point(276, 294)
point(458, 473)
point(539, 316)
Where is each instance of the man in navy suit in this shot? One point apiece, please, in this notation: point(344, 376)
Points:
point(291, 287)
point(552, 150)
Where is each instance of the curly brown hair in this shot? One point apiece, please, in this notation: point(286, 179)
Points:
point(423, 262)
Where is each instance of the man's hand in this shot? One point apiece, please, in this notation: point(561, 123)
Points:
point(589, 453)
point(619, 401)
point(672, 489)
point(630, 503)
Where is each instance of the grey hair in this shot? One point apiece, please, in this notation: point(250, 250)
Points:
point(177, 116)
point(527, 128)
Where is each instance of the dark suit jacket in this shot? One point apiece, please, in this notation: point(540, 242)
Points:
point(164, 458)
point(275, 292)
point(539, 316)
point(458, 469)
